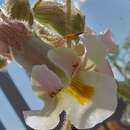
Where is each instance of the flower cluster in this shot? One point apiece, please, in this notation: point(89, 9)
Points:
point(72, 75)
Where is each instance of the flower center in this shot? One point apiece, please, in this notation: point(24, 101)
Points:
point(83, 93)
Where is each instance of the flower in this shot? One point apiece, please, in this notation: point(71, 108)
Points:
point(88, 97)
point(13, 35)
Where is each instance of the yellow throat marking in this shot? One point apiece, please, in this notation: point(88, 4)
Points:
point(83, 93)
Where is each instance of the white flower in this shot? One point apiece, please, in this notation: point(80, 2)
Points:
point(87, 97)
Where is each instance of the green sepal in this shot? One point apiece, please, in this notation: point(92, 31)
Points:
point(78, 22)
point(19, 9)
point(53, 15)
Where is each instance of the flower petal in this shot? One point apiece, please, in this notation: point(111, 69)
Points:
point(102, 105)
point(46, 78)
point(4, 49)
point(104, 101)
point(95, 49)
point(90, 30)
point(64, 58)
point(105, 68)
point(35, 120)
point(46, 119)
point(108, 41)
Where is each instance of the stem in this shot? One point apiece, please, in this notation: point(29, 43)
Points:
point(67, 125)
point(68, 15)
point(68, 20)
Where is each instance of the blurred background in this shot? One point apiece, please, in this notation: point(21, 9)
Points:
point(15, 89)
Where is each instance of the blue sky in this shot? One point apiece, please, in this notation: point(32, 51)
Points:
point(100, 14)
point(113, 14)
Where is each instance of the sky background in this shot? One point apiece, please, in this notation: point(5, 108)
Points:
point(100, 15)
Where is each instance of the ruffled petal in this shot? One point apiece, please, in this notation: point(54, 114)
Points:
point(100, 107)
point(46, 119)
point(95, 49)
point(106, 38)
point(35, 120)
point(105, 68)
point(90, 30)
point(64, 58)
point(108, 41)
point(46, 78)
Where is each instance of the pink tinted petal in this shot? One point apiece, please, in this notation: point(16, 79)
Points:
point(64, 58)
point(13, 34)
point(89, 30)
point(106, 38)
point(95, 48)
point(108, 41)
point(4, 49)
point(105, 68)
point(47, 79)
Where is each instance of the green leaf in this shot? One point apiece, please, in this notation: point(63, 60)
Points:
point(125, 119)
point(124, 90)
point(127, 67)
point(53, 15)
point(19, 9)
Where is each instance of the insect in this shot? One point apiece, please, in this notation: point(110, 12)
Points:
point(69, 37)
point(72, 36)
